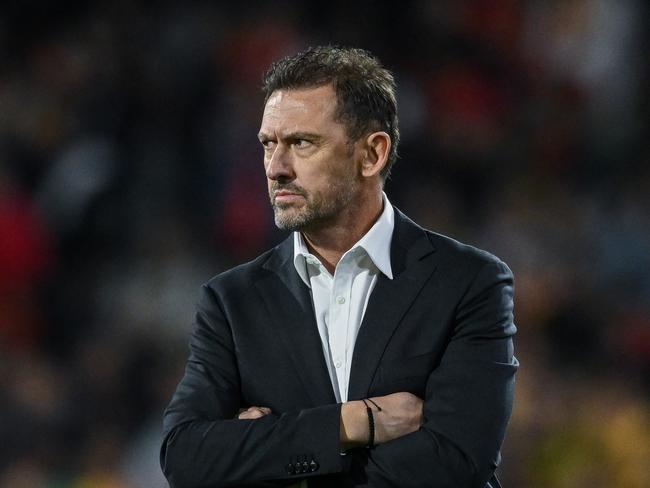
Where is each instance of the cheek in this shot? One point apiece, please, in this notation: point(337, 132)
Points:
point(344, 171)
point(325, 172)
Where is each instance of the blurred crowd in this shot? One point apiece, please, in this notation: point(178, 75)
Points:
point(130, 174)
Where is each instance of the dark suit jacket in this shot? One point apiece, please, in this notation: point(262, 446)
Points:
point(441, 329)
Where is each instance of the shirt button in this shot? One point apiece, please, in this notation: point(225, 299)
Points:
point(340, 299)
point(338, 363)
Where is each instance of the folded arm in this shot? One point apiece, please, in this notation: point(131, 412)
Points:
point(468, 398)
point(205, 444)
point(209, 441)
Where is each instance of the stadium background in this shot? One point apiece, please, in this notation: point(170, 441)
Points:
point(130, 174)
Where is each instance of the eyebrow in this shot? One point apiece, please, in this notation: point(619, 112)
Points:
point(293, 136)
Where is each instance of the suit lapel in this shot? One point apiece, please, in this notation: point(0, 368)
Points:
point(413, 262)
point(289, 305)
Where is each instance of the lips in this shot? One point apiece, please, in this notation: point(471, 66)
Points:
point(284, 196)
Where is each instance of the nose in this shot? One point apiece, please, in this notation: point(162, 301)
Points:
point(279, 166)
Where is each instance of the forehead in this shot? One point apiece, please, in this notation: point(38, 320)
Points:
point(299, 109)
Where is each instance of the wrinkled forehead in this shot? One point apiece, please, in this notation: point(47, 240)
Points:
point(305, 106)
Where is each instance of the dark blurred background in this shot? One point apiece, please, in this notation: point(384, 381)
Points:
point(130, 174)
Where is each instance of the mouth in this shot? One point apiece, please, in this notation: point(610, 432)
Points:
point(285, 196)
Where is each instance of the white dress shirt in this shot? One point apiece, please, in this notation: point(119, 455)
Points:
point(340, 301)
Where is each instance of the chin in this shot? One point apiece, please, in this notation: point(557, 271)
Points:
point(291, 221)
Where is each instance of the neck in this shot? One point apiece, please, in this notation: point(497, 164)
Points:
point(330, 242)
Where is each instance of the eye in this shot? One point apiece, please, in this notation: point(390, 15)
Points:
point(302, 143)
point(268, 143)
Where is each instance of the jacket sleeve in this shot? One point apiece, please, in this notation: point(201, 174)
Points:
point(205, 445)
point(468, 397)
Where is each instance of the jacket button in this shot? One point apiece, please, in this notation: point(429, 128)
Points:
point(313, 466)
point(290, 468)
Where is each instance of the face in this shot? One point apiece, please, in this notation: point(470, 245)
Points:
point(309, 162)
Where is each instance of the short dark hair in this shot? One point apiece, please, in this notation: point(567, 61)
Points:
point(365, 90)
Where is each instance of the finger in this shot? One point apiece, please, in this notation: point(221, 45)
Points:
point(242, 411)
point(254, 413)
point(250, 414)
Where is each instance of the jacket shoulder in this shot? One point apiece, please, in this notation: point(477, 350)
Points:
point(451, 252)
point(465, 256)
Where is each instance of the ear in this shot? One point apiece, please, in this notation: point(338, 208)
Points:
point(375, 158)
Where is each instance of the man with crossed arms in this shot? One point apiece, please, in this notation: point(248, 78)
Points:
point(364, 350)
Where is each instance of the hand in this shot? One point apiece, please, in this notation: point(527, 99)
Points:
point(253, 412)
point(401, 414)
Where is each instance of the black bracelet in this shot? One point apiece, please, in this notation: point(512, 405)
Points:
point(371, 426)
point(371, 423)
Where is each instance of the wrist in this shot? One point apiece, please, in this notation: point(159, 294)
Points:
point(371, 422)
point(354, 425)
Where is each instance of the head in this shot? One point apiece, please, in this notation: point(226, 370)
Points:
point(365, 90)
point(330, 121)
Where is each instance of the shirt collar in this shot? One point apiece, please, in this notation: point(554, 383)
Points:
point(376, 242)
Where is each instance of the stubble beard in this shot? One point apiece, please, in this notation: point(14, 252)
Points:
point(318, 209)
